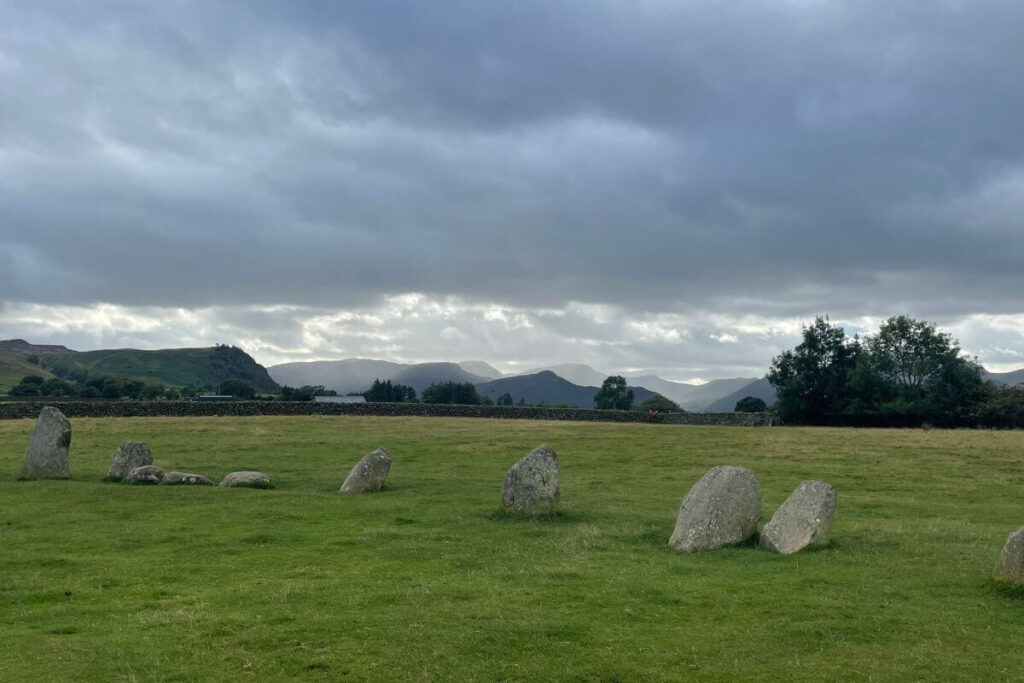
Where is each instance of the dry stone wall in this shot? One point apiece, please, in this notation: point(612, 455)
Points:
point(30, 409)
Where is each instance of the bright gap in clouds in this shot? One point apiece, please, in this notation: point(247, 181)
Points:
point(413, 328)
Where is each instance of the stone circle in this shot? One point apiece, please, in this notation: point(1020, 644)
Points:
point(48, 449)
point(369, 474)
point(1010, 568)
point(185, 479)
point(128, 456)
point(246, 479)
point(721, 509)
point(804, 519)
point(147, 474)
point(531, 485)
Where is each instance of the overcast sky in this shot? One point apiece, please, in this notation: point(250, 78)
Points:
point(644, 185)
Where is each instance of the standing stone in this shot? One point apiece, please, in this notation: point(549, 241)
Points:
point(185, 479)
point(721, 509)
point(47, 456)
point(369, 474)
point(531, 485)
point(1011, 563)
point(127, 457)
point(147, 474)
point(246, 479)
point(804, 519)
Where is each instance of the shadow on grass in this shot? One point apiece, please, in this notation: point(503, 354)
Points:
point(1008, 591)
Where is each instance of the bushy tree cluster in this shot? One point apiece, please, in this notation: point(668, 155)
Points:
point(907, 373)
point(659, 404)
point(386, 392)
point(453, 392)
point(750, 404)
point(103, 386)
point(305, 393)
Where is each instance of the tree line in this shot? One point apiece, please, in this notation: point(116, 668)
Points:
point(908, 374)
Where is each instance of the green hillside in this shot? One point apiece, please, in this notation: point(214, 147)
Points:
point(14, 366)
point(205, 368)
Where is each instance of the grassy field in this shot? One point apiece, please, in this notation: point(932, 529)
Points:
point(424, 581)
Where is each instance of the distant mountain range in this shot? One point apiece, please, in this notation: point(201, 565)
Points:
point(571, 384)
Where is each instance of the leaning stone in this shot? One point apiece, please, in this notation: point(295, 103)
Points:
point(128, 456)
point(721, 509)
point(804, 519)
point(247, 479)
point(185, 479)
point(531, 485)
point(47, 456)
point(1011, 563)
point(369, 474)
point(147, 474)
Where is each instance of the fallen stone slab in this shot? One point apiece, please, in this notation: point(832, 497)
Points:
point(721, 509)
point(49, 447)
point(246, 479)
point(147, 474)
point(804, 519)
point(531, 485)
point(128, 456)
point(369, 474)
point(185, 479)
point(1010, 568)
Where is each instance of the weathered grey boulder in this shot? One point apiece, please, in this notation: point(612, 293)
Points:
point(47, 456)
point(128, 456)
point(369, 474)
point(804, 519)
point(185, 479)
point(721, 509)
point(247, 479)
point(147, 474)
point(1011, 563)
point(531, 485)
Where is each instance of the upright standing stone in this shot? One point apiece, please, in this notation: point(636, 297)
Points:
point(804, 519)
point(128, 456)
point(531, 485)
point(369, 474)
point(1011, 563)
point(47, 456)
point(721, 509)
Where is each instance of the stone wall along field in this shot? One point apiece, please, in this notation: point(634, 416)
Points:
point(30, 409)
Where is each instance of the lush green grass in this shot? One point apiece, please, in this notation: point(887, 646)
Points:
point(424, 581)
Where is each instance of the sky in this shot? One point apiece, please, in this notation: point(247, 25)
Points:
point(674, 187)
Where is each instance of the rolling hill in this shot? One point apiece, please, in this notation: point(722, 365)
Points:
point(761, 389)
point(550, 388)
point(344, 376)
point(204, 368)
point(422, 375)
point(1005, 378)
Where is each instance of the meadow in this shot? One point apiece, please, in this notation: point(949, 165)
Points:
point(427, 581)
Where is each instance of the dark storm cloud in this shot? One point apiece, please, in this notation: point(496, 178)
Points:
point(784, 158)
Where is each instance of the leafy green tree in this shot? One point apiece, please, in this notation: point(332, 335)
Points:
point(812, 381)
point(659, 404)
point(750, 404)
point(913, 369)
point(505, 400)
point(614, 394)
point(238, 388)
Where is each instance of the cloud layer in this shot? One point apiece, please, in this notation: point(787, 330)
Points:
point(700, 164)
